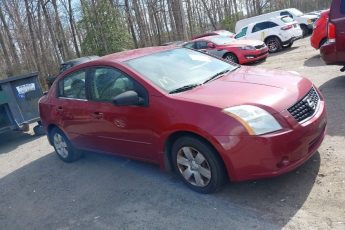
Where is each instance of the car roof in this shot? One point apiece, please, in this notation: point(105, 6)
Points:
point(136, 53)
point(80, 60)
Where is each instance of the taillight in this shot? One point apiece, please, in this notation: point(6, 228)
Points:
point(331, 32)
point(287, 27)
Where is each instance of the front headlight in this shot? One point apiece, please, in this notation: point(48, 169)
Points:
point(256, 120)
point(247, 48)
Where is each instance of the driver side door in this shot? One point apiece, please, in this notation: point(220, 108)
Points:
point(120, 130)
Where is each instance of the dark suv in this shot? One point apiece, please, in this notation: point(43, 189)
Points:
point(333, 52)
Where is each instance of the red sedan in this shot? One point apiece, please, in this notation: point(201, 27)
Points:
point(237, 51)
point(319, 36)
point(205, 118)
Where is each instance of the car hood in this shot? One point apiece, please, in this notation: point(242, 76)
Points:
point(271, 89)
point(244, 42)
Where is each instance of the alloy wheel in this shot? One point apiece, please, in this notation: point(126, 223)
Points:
point(272, 45)
point(60, 145)
point(193, 166)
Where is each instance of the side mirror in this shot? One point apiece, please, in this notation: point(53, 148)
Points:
point(210, 45)
point(128, 98)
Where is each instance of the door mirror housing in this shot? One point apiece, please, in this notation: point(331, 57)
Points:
point(211, 45)
point(128, 98)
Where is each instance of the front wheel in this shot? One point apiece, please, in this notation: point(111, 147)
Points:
point(63, 147)
point(273, 44)
point(231, 57)
point(198, 165)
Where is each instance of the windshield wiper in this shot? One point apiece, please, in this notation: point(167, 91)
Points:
point(217, 75)
point(184, 88)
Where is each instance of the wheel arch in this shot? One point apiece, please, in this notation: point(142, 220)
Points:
point(272, 36)
point(170, 140)
point(50, 127)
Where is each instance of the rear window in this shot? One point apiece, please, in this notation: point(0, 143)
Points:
point(287, 19)
point(342, 6)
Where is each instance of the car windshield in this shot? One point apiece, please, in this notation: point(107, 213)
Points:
point(221, 40)
point(287, 19)
point(296, 12)
point(174, 69)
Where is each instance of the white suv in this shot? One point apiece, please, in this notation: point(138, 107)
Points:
point(276, 32)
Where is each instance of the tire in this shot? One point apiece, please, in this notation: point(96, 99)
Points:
point(305, 30)
point(63, 146)
point(198, 165)
point(231, 57)
point(274, 44)
point(39, 130)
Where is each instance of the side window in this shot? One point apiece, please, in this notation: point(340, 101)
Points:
point(342, 6)
point(189, 45)
point(201, 45)
point(242, 33)
point(73, 85)
point(107, 83)
point(260, 26)
point(286, 13)
point(271, 25)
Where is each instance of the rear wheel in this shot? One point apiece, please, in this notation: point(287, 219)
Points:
point(198, 165)
point(63, 147)
point(273, 44)
point(231, 57)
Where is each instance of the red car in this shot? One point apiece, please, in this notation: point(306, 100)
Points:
point(319, 36)
point(216, 32)
point(237, 51)
point(333, 52)
point(205, 118)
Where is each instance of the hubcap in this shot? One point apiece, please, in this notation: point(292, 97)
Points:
point(230, 58)
point(272, 45)
point(193, 166)
point(60, 145)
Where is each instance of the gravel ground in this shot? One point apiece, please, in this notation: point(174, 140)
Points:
point(38, 191)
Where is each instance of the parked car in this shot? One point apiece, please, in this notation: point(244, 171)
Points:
point(237, 51)
point(206, 118)
point(69, 64)
point(333, 52)
point(319, 36)
point(214, 33)
point(305, 21)
point(276, 32)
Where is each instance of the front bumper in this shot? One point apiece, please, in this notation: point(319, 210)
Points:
point(253, 56)
point(254, 157)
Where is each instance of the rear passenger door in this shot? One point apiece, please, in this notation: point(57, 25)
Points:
point(259, 31)
point(69, 107)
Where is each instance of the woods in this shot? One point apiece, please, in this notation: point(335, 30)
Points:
point(37, 35)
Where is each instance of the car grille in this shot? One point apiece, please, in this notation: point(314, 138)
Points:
point(306, 107)
point(260, 46)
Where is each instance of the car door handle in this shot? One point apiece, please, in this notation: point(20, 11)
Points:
point(97, 115)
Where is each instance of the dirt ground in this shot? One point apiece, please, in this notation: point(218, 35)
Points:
point(38, 191)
